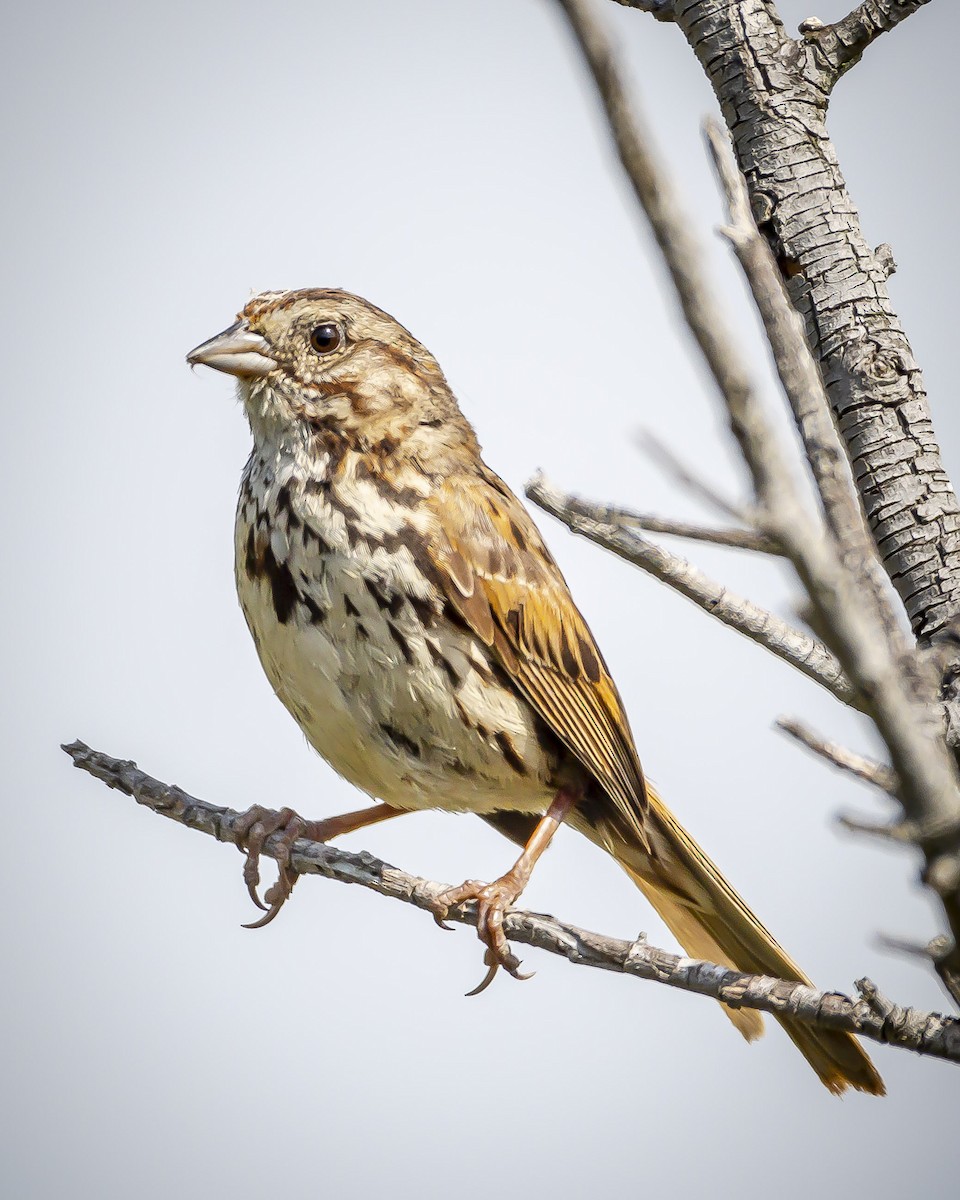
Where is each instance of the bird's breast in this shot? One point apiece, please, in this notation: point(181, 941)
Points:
point(352, 636)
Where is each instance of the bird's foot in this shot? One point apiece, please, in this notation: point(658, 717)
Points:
point(493, 900)
point(257, 824)
point(252, 830)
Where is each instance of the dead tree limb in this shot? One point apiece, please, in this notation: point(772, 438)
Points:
point(794, 645)
point(874, 773)
point(860, 348)
point(775, 105)
point(840, 45)
point(873, 1016)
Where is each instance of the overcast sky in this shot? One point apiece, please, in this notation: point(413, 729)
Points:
point(446, 160)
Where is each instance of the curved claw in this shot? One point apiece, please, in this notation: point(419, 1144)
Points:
point(275, 896)
point(485, 982)
point(493, 900)
point(451, 897)
point(268, 915)
point(252, 831)
point(492, 970)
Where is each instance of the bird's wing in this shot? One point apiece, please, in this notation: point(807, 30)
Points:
point(500, 579)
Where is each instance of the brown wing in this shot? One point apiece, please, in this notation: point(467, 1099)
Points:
point(499, 576)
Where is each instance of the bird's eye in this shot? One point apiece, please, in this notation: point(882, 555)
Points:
point(325, 338)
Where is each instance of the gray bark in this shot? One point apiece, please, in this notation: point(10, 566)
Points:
point(848, 365)
point(872, 1015)
point(796, 646)
point(773, 92)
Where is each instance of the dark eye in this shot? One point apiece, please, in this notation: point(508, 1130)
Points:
point(325, 338)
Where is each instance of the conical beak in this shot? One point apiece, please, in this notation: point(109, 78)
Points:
point(237, 351)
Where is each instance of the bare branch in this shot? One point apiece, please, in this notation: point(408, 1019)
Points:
point(939, 951)
point(803, 387)
point(738, 539)
point(870, 654)
point(911, 948)
point(903, 833)
point(883, 257)
point(776, 109)
point(846, 605)
point(662, 456)
point(661, 204)
point(840, 45)
point(877, 774)
point(662, 10)
point(872, 1016)
point(795, 646)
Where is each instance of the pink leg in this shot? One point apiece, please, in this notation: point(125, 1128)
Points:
point(493, 899)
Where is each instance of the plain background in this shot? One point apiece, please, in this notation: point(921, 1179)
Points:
point(445, 159)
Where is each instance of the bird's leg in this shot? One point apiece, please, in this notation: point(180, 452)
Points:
point(493, 899)
point(258, 823)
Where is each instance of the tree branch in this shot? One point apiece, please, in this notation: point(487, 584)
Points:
point(872, 1016)
point(868, 649)
point(660, 203)
point(803, 388)
point(795, 646)
point(662, 10)
point(777, 118)
point(737, 539)
point(800, 377)
point(851, 613)
point(877, 774)
point(902, 833)
point(840, 45)
point(662, 456)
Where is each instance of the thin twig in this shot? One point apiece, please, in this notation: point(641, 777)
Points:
point(877, 774)
point(662, 456)
point(795, 646)
point(738, 539)
point(902, 833)
point(660, 203)
point(872, 1016)
point(840, 45)
point(910, 947)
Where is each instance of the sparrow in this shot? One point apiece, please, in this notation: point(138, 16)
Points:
point(408, 614)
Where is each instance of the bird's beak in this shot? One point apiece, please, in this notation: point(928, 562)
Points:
point(237, 351)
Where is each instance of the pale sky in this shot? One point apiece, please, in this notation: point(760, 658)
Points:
point(446, 160)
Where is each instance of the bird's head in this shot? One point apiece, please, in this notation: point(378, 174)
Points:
point(323, 360)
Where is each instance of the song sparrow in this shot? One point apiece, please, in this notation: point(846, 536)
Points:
point(408, 614)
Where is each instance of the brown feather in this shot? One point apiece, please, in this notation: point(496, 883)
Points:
point(711, 922)
point(392, 471)
point(500, 577)
point(524, 610)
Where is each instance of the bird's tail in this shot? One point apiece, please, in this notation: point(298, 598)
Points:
point(711, 922)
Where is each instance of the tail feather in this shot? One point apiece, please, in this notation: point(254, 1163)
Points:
point(712, 922)
point(698, 943)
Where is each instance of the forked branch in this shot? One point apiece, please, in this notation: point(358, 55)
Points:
point(871, 1016)
point(840, 45)
point(831, 550)
point(795, 646)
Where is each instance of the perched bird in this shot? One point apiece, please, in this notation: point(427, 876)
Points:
point(408, 614)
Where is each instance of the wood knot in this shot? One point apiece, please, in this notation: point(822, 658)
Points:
point(811, 27)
